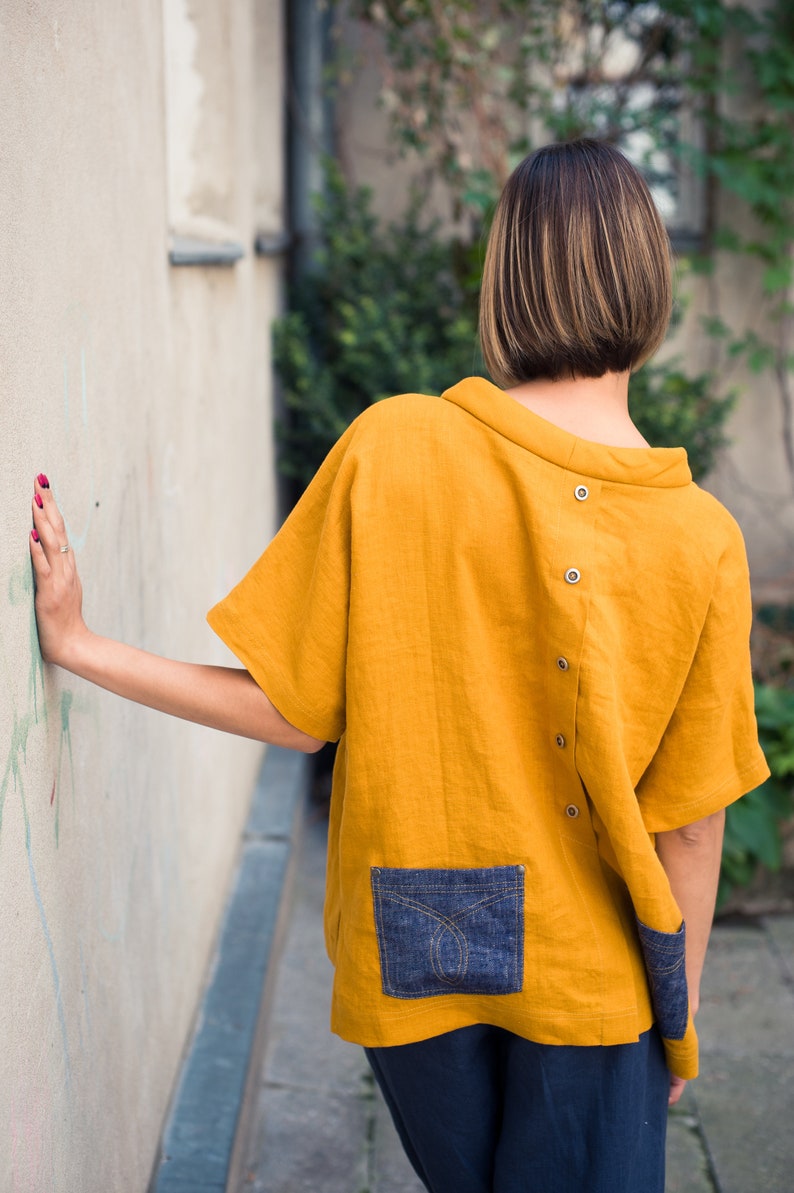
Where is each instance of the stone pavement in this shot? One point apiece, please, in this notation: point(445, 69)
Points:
point(319, 1125)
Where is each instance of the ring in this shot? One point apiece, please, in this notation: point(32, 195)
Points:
point(64, 548)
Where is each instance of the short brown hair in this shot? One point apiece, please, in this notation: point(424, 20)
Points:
point(577, 273)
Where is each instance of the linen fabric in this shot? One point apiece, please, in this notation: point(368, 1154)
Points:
point(534, 650)
point(480, 1110)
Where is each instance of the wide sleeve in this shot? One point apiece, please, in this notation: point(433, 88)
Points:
point(709, 755)
point(287, 618)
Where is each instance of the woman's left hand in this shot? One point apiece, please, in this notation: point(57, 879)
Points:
point(59, 594)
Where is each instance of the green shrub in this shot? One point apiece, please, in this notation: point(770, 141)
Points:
point(672, 410)
point(753, 824)
point(384, 310)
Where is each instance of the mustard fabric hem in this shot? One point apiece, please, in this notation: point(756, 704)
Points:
point(422, 1022)
point(683, 1058)
point(747, 779)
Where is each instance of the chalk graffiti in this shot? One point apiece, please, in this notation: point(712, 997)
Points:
point(20, 592)
point(20, 589)
point(67, 700)
point(34, 710)
point(14, 769)
point(53, 964)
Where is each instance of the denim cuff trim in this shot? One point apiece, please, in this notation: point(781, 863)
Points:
point(665, 964)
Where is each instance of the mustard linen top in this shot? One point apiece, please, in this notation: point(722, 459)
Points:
point(535, 651)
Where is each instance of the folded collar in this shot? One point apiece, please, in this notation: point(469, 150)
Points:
point(662, 467)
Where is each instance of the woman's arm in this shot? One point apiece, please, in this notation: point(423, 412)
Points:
point(225, 698)
point(691, 857)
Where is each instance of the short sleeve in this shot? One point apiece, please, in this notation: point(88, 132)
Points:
point(709, 755)
point(287, 618)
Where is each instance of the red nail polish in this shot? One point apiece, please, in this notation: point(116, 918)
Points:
point(34, 534)
point(38, 501)
point(42, 479)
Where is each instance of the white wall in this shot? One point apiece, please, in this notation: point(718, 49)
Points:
point(144, 391)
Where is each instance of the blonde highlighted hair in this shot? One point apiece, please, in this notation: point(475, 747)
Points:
point(577, 278)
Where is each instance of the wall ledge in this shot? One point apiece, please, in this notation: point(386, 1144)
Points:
point(193, 250)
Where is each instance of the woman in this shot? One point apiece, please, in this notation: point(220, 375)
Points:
point(529, 631)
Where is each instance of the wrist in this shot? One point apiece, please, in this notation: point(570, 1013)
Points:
point(74, 652)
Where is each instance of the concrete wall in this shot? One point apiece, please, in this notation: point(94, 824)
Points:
point(144, 391)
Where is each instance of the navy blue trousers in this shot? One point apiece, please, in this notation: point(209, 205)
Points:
point(480, 1110)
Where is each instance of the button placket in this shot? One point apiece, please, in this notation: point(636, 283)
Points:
point(572, 576)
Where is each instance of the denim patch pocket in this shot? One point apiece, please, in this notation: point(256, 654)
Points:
point(665, 956)
point(449, 931)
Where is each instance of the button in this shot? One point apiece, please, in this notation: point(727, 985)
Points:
point(573, 576)
point(562, 663)
point(572, 811)
point(560, 740)
point(581, 492)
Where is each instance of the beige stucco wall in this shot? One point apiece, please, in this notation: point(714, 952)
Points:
point(144, 391)
point(752, 476)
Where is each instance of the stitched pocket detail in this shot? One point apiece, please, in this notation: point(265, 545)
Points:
point(449, 931)
point(665, 964)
